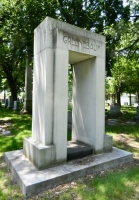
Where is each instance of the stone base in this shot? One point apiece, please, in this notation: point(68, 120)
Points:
point(41, 156)
point(33, 181)
point(107, 147)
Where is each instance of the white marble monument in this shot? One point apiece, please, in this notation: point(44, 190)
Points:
point(55, 45)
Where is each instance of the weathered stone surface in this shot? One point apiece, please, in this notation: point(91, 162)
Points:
point(40, 155)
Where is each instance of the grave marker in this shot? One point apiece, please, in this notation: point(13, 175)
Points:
point(57, 44)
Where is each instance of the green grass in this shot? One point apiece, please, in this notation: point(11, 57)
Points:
point(20, 127)
point(118, 184)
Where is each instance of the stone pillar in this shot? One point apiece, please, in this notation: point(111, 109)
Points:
point(60, 104)
point(28, 89)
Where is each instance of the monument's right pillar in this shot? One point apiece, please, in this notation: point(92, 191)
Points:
point(88, 102)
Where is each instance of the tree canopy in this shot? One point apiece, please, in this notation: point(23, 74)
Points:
point(18, 19)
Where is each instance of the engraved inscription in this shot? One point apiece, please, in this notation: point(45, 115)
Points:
point(84, 42)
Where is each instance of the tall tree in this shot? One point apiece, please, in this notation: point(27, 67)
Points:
point(96, 15)
point(18, 21)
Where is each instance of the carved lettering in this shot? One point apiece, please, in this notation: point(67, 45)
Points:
point(85, 43)
point(65, 38)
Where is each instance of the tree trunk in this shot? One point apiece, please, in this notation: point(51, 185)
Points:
point(138, 97)
point(118, 98)
point(130, 99)
point(13, 90)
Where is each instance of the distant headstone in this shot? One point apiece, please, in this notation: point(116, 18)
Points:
point(6, 133)
point(10, 102)
point(130, 123)
point(16, 105)
point(115, 109)
point(112, 122)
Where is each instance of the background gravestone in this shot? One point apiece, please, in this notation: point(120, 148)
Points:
point(10, 102)
point(115, 109)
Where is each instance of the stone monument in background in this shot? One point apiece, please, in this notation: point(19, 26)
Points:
point(27, 108)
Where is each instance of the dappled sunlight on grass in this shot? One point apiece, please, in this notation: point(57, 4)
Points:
point(20, 127)
point(109, 186)
point(117, 184)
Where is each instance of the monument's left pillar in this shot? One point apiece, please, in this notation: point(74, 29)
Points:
point(48, 144)
point(39, 148)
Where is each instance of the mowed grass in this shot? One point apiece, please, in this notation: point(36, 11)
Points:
point(20, 127)
point(121, 183)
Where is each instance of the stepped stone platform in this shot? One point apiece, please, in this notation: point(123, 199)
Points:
point(33, 181)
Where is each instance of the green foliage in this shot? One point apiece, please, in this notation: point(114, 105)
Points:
point(18, 21)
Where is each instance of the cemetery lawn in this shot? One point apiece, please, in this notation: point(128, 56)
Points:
point(120, 183)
